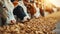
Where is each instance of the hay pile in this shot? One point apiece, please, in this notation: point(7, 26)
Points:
point(34, 26)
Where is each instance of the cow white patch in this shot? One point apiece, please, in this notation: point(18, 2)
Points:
point(10, 8)
point(37, 14)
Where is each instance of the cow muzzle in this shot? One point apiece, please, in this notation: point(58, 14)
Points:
point(26, 18)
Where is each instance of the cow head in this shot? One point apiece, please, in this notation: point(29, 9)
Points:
point(18, 6)
point(37, 14)
point(8, 7)
point(27, 17)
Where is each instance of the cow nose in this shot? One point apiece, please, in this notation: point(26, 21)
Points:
point(28, 19)
point(13, 21)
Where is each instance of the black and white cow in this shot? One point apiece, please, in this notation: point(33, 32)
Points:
point(7, 8)
point(20, 11)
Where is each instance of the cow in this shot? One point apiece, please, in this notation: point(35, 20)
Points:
point(20, 11)
point(7, 8)
point(32, 8)
point(37, 14)
point(48, 7)
point(24, 8)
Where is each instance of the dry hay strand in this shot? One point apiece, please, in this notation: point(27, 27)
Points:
point(34, 26)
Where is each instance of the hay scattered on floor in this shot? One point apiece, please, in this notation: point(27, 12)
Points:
point(34, 26)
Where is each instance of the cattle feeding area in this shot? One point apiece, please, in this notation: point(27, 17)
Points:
point(34, 26)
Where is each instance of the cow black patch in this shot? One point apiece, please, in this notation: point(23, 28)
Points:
point(19, 12)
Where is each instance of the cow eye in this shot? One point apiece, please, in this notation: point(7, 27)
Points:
point(4, 7)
